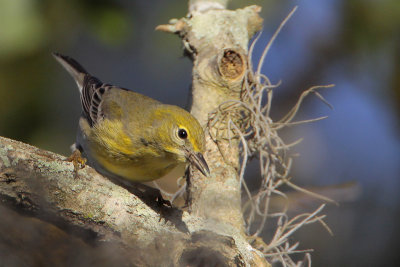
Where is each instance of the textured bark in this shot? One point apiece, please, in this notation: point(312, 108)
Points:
point(42, 184)
point(217, 40)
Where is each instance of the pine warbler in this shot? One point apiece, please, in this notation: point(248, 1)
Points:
point(130, 135)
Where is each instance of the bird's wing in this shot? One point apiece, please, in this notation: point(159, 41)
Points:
point(92, 98)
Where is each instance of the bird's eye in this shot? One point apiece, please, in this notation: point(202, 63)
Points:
point(182, 134)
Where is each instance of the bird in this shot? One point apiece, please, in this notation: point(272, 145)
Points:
point(129, 135)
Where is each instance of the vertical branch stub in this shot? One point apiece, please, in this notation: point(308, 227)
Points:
point(216, 40)
point(219, 40)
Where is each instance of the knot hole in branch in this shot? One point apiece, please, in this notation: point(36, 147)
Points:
point(231, 64)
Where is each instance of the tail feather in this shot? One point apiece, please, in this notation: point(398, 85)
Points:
point(73, 67)
point(91, 89)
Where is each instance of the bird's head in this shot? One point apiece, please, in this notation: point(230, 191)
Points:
point(183, 137)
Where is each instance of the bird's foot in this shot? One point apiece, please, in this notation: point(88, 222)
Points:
point(78, 161)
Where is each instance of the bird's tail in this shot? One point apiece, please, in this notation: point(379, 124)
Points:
point(73, 67)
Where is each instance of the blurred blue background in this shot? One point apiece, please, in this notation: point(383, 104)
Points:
point(354, 44)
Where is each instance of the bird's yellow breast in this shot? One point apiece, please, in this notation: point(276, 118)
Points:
point(144, 170)
point(128, 158)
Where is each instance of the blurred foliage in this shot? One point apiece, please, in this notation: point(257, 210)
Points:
point(372, 30)
point(23, 28)
point(370, 23)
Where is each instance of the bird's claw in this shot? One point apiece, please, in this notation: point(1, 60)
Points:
point(78, 161)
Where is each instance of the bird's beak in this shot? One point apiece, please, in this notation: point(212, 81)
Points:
point(199, 162)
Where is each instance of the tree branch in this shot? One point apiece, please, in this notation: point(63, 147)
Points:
point(42, 184)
